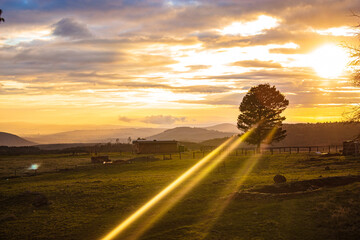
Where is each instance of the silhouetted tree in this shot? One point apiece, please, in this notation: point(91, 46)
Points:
point(1, 19)
point(354, 115)
point(260, 109)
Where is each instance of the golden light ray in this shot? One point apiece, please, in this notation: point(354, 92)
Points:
point(152, 202)
point(270, 135)
point(193, 182)
point(234, 186)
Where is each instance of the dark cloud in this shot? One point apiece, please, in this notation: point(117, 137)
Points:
point(292, 73)
point(68, 27)
point(257, 64)
point(125, 119)
point(198, 67)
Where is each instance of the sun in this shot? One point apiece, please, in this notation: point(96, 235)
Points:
point(329, 61)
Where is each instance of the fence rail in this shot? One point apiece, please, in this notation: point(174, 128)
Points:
point(272, 150)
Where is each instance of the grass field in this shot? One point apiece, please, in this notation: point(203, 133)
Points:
point(86, 201)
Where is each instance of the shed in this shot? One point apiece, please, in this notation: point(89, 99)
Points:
point(147, 146)
point(351, 148)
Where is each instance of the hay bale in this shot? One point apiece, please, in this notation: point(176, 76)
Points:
point(279, 178)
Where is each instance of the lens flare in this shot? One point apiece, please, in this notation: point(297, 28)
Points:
point(219, 207)
point(234, 186)
point(147, 206)
point(190, 185)
point(34, 166)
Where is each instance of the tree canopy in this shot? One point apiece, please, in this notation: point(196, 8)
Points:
point(354, 115)
point(1, 19)
point(260, 109)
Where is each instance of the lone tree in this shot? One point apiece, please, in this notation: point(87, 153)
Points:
point(1, 19)
point(260, 109)
point(354, 115)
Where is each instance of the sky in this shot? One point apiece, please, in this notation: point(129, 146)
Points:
point(82, 64)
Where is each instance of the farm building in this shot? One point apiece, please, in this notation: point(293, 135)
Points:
point(351, 148)
point(146, 146)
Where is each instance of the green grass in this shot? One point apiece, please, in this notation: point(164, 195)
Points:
point(89, 200)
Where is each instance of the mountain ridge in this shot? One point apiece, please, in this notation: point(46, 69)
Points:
point(12, 140)
point(191, 134)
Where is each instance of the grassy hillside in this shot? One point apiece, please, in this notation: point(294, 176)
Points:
point(88, 201)
point(188, 134)
point(303, 134)
point(8, 139)
point(96, 136)
point(309, 134)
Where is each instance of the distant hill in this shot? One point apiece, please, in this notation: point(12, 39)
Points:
point(189, 134)
point(11, 140)
point(61, 146)
point(214, 142)
point(96, 136)
point(312, 134)
point(309, 134)
point(301, 134)
point(224, 127)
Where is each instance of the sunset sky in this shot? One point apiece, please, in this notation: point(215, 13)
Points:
point(82, 64)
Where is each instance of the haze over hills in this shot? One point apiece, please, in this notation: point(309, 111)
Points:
point(189, 134)
point(96, 136)
point(110, 135)
point(300, 134)
point(224, 127)
point(11, 140)
point(306, 134)
point(309, 134)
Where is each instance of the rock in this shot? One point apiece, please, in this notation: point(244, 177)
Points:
point(327, 168)
point(279, 179)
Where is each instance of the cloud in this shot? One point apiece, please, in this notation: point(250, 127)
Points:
point(154, 119)
point(125, 119)
point(114, 51)
point(161, 119)
point(257, 64)
point(198, 67)
point(69, 27)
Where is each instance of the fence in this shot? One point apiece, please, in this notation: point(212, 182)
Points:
point(272, 150)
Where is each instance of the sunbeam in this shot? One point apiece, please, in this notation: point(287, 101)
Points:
point(190, 185)
point(234, 186)
point(147, 206)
